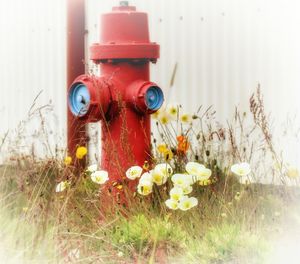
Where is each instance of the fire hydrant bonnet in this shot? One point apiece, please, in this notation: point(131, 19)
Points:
point(124, 35)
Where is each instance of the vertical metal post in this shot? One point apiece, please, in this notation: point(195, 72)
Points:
point(76, 129)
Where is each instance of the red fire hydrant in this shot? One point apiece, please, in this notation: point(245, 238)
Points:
point(123, 97)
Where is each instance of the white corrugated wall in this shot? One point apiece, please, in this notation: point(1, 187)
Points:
point(223, 49)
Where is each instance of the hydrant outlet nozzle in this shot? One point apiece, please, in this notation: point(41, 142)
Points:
point(79, 99)
point(146, 97)
point(89, 98)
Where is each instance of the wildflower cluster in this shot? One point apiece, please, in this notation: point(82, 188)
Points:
point(182, 182)
point(97, 176)
point(159, 176)
point(161, 173)
point(172, 112)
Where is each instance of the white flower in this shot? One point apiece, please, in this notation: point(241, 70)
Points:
point(176, 193)
point(147, 176)
point(186, 118)
point(99, 177)
point(277, 214)
point(164, 118)
point(187, 203)
point(241, 169)
point(292, 172)
point(159, 112)
point(159, 178)
point(237, 196)
point(145, 187)
point(61, 186)
point(134, 172)
point(193, 168)
point(224, 215)
point(164, 168)
point(172, 110)
point(182, 180)
point(204, 174)
point(92, 168)
point(187, 189)
point(172, 204)
point(161, 173)
point(198, 170)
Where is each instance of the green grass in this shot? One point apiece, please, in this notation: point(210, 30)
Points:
point(41, 226)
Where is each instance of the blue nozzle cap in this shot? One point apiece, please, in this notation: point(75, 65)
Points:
point(79, 99)
point(154, 98)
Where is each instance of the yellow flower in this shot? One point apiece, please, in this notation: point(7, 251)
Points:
point(162, 148)
point(292, 173)
point(187, 203)
point(81, 152)
point(68, 160)
point(99, 177)
point(186, 118)
point(241, 169)
point(172, 204)
point(168, 155)
point(119, 186)
point(134, 172)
